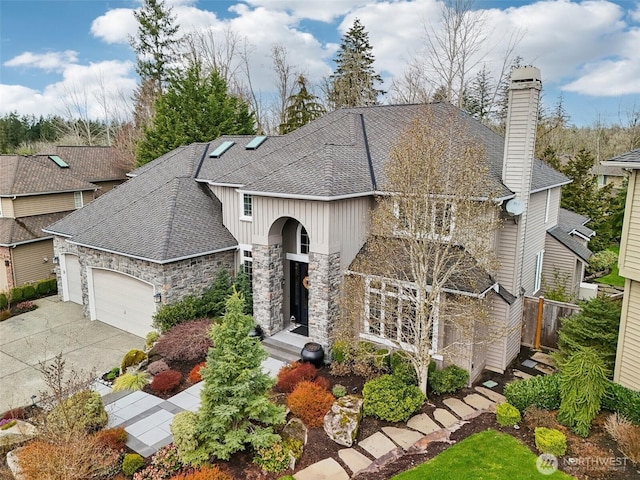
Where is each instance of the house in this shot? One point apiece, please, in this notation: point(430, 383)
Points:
point(293, 211)
point(38, 190)
point(610, 175)
point(566, 253)
point(628, 352)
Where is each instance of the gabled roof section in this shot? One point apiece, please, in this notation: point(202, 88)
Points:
point(571, 222)
point(576, 247)
point(161, 215)
point(92, 163)
point(544, 177)
point(343, 154)
point(14, 231)
point(629, 159)
point(37, 175)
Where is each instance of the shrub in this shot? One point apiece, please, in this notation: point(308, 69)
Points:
point(622, 400)
point(115, 438)
point(536, 417)
point(291, 375)
point(131, 358)
point(112, 374)
point(340, 351)
point(166, 381)
point(26, 306)
point(81, 411)
point(170, 315)
point(28, 292)
point(16, 294)
point(205, 473)
point(188, 341)
point(339, 390)
point(550, 440)
point(389, 398)
point(184, 429)
point(402, 369)
point(602, 260)
point(194, 374)
point(543, 391)
point(131, 381)
point(18, 413)
point(131, 463)
point(43, 287)
point(159, 366)
point(310, 402)
point(583, 381)
point(507, 415)
point(626, 435)
point(150, 339)
point(323, 382)
point(277, 457)
point(53, 285)
point(448, 380)
point(3, 301)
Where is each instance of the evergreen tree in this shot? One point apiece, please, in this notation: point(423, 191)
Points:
point(595, 326)
point(235, 410)
point(302, 107)
point(353, 82)
point(478, 99)
point(195, 108)
point(155, 42)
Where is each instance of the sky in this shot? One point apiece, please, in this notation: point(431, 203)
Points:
point(64, 56)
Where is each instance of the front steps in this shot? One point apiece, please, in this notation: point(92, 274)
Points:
point(285, 346)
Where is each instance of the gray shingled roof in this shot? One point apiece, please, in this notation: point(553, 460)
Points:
point(36, 175)
point(161, 215)
point(22, 230)
point(569, 222)
point(93, 163)
point(328, 157)
point(632, 157)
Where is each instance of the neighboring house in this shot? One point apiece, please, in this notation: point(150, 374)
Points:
point(626, 370)
point(40, 189)
point(610, 175)
point(293, 211)
point(566, 253)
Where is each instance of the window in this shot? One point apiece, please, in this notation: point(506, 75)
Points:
point(432, 219)
point(77, 199)
point(247, 207)
point(246, 260)
point(546, 207)
point(390, 311)
point(302, 240)
point(538, 278)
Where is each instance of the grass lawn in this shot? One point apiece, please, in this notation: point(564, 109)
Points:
point(613, 278)
point(488, 455)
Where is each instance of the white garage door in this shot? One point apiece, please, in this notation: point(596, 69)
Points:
point(72, 290)
point(122, 301)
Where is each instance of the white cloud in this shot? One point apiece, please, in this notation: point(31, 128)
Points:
point(49, 62)
point(312, 10)
point(115, 26)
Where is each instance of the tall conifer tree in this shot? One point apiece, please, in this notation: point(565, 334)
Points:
point(302, 107)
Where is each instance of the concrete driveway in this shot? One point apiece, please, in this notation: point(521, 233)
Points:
point(55, 327)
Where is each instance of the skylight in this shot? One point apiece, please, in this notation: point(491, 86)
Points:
point(224, 146)
point(58, 161)
point(255, 143)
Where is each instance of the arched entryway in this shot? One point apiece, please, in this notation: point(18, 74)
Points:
point(296, 270)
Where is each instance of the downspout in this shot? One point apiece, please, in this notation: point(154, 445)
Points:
point(366, 148)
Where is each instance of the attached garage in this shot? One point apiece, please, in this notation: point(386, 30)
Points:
point(71, 279)
point(121, 301)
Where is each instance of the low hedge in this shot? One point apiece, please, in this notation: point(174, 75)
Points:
point(41, 288)
point(622, 400)
point(448, 380)
point(389, 398)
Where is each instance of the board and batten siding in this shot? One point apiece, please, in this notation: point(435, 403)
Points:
point(626, 370)
point(349, 227)
point(41, 204)
point(29, 261)
point(534, 241)
point(231, 203)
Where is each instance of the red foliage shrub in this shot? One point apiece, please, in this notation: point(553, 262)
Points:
point(166, 381)
point(186, 341)
point(291, 375)
point(310, 402)
point(323, 382)
point(204, 473)
point(15, 414)
point(115, 438)
point(156, 367)
point(194, 374)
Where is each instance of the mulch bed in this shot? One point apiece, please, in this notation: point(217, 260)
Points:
point(320, 446)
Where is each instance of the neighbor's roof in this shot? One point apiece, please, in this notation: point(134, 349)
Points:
point(15, 231)
point(93, 163)
point(570, 223)
point(161, 215)
point(343, 154)
point(626, 160)
point(36, 175)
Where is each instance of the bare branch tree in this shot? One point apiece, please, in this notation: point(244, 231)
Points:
point(286, 76)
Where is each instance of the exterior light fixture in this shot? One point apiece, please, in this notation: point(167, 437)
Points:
point(157, 297)
point(56, 260)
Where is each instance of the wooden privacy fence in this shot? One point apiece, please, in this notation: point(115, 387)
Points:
point(552, 311)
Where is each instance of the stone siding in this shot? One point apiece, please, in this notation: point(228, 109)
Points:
point(325, 279)
point(5, 256)
point(268, 281)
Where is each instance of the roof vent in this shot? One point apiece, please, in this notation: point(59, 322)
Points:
point(58, 161)
point(255, 143)
point(224, 146)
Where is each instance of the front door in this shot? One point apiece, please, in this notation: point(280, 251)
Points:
point(300, 295)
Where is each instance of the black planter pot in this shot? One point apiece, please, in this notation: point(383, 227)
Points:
point(313, 353)
point(257, 331)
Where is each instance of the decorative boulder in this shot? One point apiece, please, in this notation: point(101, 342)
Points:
point(19, 433)
point(343, 420)
point(296, 429)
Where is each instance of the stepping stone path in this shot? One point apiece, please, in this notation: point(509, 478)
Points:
point(544, 358)
point(520, 374)
point(458, 407)
point(371, 453)
point(402, 436)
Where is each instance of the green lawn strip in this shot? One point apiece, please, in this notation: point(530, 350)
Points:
point(613, 278)
point(488, 455)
